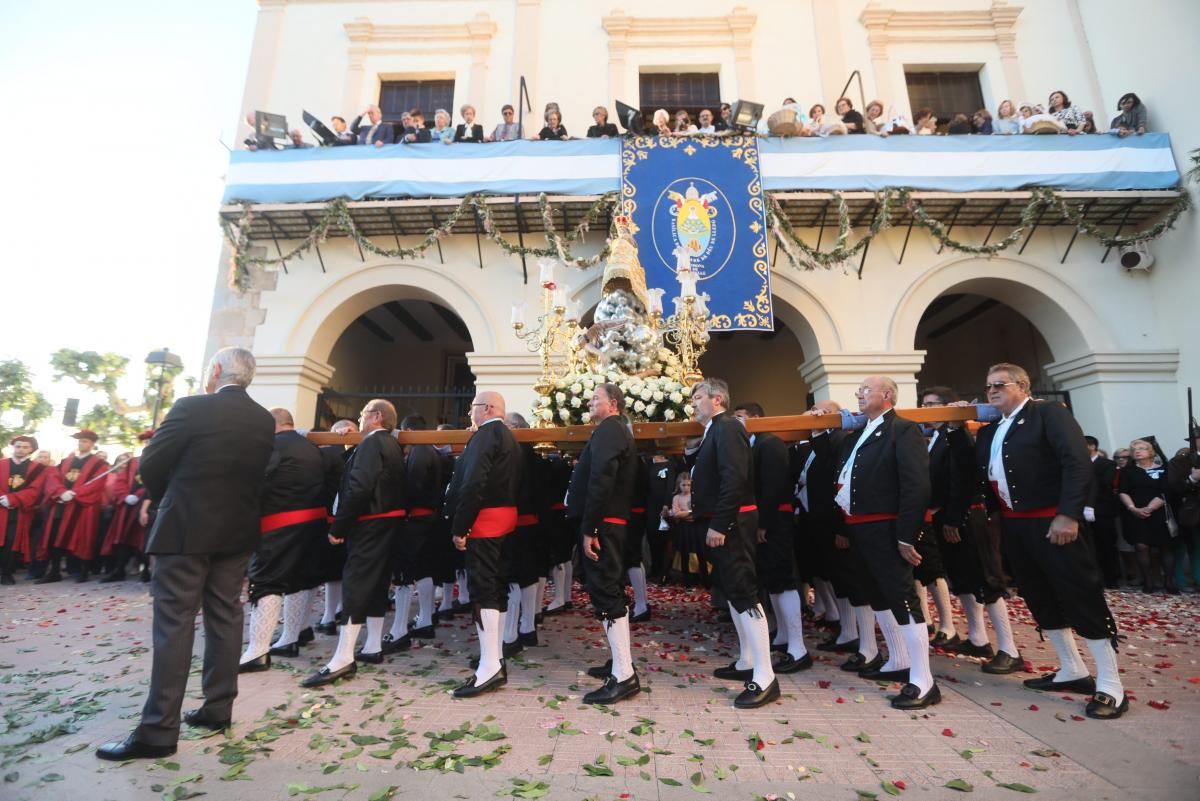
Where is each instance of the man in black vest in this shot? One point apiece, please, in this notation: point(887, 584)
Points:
point(723, 499)
point(366, 515)
point(883, 490)
point(205, 469)
point(598, 503)
point(1101, 512)
point(482, 505)
point(1036, 462)
point(292, 516)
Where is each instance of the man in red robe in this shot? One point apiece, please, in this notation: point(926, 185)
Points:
point(22, 482)
point(79, 500)
point(126, 534)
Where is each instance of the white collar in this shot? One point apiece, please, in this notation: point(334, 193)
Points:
point(20, 461)
point(1015, 412)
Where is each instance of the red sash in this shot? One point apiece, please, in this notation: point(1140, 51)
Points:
point(293, 517)
point(786, 508)
point(421, 511)
point(638, 510)
point(558, 507)
point(872, 518)
point(494, 521)
point(527, 520)
point(618, 521)
point(382, 515)
point(1044, 512)
point(929, 513)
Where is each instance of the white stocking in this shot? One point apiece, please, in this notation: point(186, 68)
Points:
point(295, 612)
point(541, 595)
point(374, 643)
point(1070, 663)
point(941, 599)
point(998, 612)
point(922, 598)
point(333, 601)
point(866, 632)
point(897, 652)
point(403, 595)
point(529, 608)
point(347, 639)
point(916, 640)
point(447, 597)
point(263, 617)
point(745, 659)
point(849, 629)
point(568, 578)
point(781, 631)
point(488, 629)
point(424, 591)
point(793, 620)
point(824, 590)
point(513, 616)
point(976, 628)
point(622, 651)
point(560, 594)
point(637, 580)
point(1108, 680)
point(464, 593)
point(757, 640)
point(818, 603)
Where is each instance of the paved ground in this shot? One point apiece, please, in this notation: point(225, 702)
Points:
point(74, 664)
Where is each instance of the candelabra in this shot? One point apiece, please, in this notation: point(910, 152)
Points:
point(687, 329)
point(556, 332)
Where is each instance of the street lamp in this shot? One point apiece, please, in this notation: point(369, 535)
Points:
point(164, 359)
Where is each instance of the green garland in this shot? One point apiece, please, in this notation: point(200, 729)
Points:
point(802, 256)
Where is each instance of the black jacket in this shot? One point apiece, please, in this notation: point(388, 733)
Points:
point(426, 486)
point(951, 475)
point(823, 513)
point(608, 129)
point(295, 475)
point(385, 132)
point(604, 478)
point(772, 479)
point(890, 474)
point(1045, 460)
point(723, 475)
point(205, 468)
point(533, 491)
point(660, 489)
point(485, 475)
point(372, 483)
point(334, 458)
point(461, 134)
point(1104, 477)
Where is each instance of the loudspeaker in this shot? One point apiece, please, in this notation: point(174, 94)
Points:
point(70, 412)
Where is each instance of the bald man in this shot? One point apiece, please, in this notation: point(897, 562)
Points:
point(481, 504)
point(293, 515)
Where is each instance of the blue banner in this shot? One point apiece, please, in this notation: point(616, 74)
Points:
point(703, 193)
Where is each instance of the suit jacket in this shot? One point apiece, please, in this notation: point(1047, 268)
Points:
point(1045, 460)
point(372, 482)
point(461, 134)
point(823, 512)
point(951, 475)
point(1101, 499)
point(604, 479)
point(295, 475)
point(423, 474)
point(362, 133)
point(334, 458)
point(723, 475)
point(533, 491)
point(205, 467)
point(660, 487)
point(890, 474)
point(772, 479)
point(486, 474)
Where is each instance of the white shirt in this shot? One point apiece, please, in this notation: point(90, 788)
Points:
point(843, 495)
point(802, 484)
point(996, 472)
point(936, 432)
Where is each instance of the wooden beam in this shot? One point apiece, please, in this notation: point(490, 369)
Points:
point(408, 321)
point(374, 327)
point(453, 320)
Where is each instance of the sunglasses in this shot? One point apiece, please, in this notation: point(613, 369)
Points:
point(997, 385)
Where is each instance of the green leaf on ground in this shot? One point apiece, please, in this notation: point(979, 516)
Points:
point(597, 769)
point(644, 726)
point(959, 784)
point(671, 782)
point(545, 759)
point(863, 737)
point(383, 793)
point(1020, 788)
point(890, 788)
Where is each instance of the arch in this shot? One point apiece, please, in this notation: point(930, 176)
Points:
point(318, 327)
point(1068, 322)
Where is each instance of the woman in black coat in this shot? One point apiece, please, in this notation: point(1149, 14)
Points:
point(468, 130)
point(603, 128)
point(1142, 488)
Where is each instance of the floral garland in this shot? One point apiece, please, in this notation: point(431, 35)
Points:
point(802, 256)
point(654, 399)
point(1075, 217)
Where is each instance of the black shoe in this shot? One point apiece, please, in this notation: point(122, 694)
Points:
point(306, 636)
point(51, 578)
point(392, 646)
point(600, 671)
point(470, 689)
point(558, 610)
point(513, 648)
point(779, 647)
point(1046, 683)
point(330, 629)
point(900, 675)
point(754, 696)
point(1002, 664)
point(1104, 707)
point(327, 676)
point(790, 664)
point(82, 577)
point(858, 663)
point(199, 719)
point(422, 633)
point(292, 649)
point(115, 575)
point(833, 646)
point(940, 640)
point(132, 748)
point(256, 665)
point(642, 618)
point(910, 697)
point(7, 579)
point(614, 690)
point(371, 659)
point(968, 648)
point(528, 639)
point(539, 618)
point(447, 614)
point(732, 673)
point(145, 575)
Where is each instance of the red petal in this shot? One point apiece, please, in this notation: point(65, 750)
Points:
point(824, 683)
point(900, 783)
point(1033, 707)
point(947, 733)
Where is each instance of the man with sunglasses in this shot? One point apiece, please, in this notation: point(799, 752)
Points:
point(508, 130)
point(1036, 463)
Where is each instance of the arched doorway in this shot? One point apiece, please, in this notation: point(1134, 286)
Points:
point(760, 366)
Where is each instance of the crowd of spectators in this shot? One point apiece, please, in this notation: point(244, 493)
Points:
point(1058, 116)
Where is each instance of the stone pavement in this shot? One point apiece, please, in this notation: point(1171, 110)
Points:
point(74, 664)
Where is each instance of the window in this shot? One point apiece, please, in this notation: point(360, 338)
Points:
point(397, 97)
point(673, 91)
point(947, 93)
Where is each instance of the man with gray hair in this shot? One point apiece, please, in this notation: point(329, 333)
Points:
point(205, 467)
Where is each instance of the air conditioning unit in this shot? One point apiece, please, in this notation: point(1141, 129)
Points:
point(1136, 257)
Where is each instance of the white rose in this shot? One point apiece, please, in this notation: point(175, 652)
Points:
point(669, 414)
point(576, 403)
point(547, 414)
point(544, 400)
point(561, 397)
point(564, 415)
point(646, 395)
point(589, 383)
point(676, 397)
point(576, 388)
point(638, 406)
point(658, 396)
point(588, 393)
point(687, 409)
point(587, 417)
point(651, 409)
point(625, 387)
point(560, 383)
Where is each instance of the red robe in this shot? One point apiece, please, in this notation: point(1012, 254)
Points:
point(23, 501)
point(125, 528)
point(79, 526)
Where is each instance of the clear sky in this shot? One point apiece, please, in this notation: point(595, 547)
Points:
point(112, 174)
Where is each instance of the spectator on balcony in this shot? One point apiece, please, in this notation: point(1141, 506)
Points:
point(468, 130)
point(959, 124)
point(554, 128)
point(256, 140)
point(416, 131)
point(603, 129)
point(873, 121)
point(1006, 122)
point(924, 122)
point(662, 122)
point(683, 123)
point(1089, 123)
point(705, 119)
point(1035, 120)
point(981, 122)
point(441, 127)
point(820, 125)
point(1132, 119)
point(296, 140)
point(1062, 110)
point(508, 130)
point(377, 133)
point(722, 123)
point(341, 131)
point(852, 119)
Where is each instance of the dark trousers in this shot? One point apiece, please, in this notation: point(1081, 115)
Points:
point(8, 557)
point(890, 578)
point(412, 550)
point(632, 548)
point(181, 586)
point(1104, 538)
point(1061, 584)
point(280, 565)
point(776, 560)
point(524, 561)
point(928, 545)
point(733, 562)
point(368, 570)
point(606, 577)
point(970, 564)
point(487, 571)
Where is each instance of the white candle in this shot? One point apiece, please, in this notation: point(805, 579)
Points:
point(546, 272)
point(573, 310)
point(518, 314)
point(656, 296)
point(559, 299)
point(683, 260)
point(687, 283)
point(702, 304)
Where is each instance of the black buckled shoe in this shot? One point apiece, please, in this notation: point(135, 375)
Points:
point(422, 632)
point(329, 629)
point(900, 675)
point(968, 648)
point(292, 649)
point(306, 635)
point(858, 663)
point(395, 645)
point(833, 646)
point(200, 719)
point(470, 689)
point(1046, 683)
point(1003, 663)
point(511, 649)
point(641, 618)
point(731, 672)
point(790, 664)
point(754, 696)
point(132, 748)
point(256, 665)
point(614, 690)
point(940, 640)
point(910, 697)
point(529, 639)
point(551, 612)
point(1104, 707)
point(375, 658)
point(600, 671)
point(326, 676)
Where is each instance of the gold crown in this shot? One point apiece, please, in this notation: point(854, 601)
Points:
point(623, 270)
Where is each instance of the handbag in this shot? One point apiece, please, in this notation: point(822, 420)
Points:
point(1172, 523)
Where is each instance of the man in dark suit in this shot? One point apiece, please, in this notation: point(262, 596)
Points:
point(375, 132)
point(1101, 513)
point(366, 516)
point(329, 559)
point(883, 490)
point(1036, 462)
point(723, 498)
point(482, 504)
point(525, 547)
point(598, 502)
point(776, 538)
point(205, 468)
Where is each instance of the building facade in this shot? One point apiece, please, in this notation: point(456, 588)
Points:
point(1119, 345)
